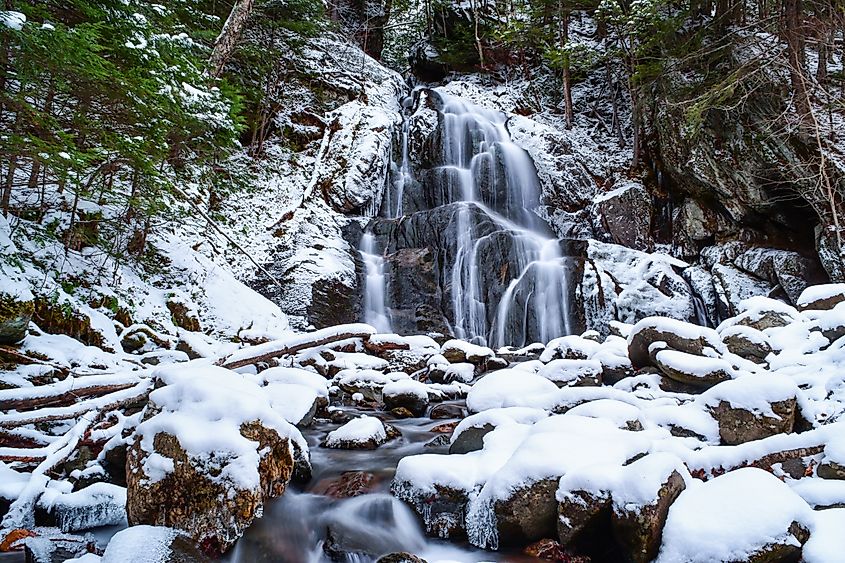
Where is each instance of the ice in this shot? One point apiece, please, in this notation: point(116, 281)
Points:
point(100, 504)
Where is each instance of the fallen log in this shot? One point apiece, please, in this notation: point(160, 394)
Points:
point(107, 403)
point(293, 344)
point(62, 398)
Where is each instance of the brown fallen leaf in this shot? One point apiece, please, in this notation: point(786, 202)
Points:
point(8, 543)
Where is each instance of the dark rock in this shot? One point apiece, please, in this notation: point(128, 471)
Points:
point(640, 529)
point(401, 412)
point(625, 215)
point(402, 557)
point(471, 439)
point(581, 515)
point(440, 441)
point(446, 410)
point(743, 346)
point(828, 469)
point(15, 314)
point(528, 514)
point(661, 331)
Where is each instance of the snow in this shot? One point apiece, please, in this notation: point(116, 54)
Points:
point(569, 346)
point(699, 366)
point(296, 376)
point(685, 330)
point(463, 372)
point(11, 482)
point(99, 504)
point(818, 492)
point(826, 543)
point(497, 417)
point(510, 388)
point(721, 520)
point(357, 430)
point(13, 20)
point(630, 486)
point(283, 345)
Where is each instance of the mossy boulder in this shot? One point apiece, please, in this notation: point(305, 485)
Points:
point(16, 308)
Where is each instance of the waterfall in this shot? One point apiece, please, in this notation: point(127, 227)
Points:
point(375, 311)
point(498, 177)
point(502, 275)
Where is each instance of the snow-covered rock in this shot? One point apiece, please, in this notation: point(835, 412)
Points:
point(572, 372)
point(208, 434)
point(823, 296)
point(406, 393)
point(151, 544)
point(723, 520)
point(752, 407)
point(677, 335)
point(362, 433)
point(510, 388)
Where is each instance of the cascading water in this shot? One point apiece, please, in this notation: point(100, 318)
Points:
point(375, 312)
point(503, 276)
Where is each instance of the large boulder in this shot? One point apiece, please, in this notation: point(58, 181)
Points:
point(821, 297)
point(208, 454)
point(752, 407)
point(722, 520)
point(406, 393)
point(689, 369)
point(677, 335)
point(362, 433)
point(625, 215)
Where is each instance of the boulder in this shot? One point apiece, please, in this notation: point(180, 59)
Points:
point(747, 343)
point(16, 308)
point(446, 410)
point(639, 527)
point(208, 453)
point(678, 335)
point(362, 433)
point(470, 439)
point(832, 465)
point(720, 520)
point(624, 214)
point(406, 393)
point(689, 369)
point(528, 513)
point(752, 407)
point(581, 512)
point(457, 351)
point(821, 297)
point(573, 373)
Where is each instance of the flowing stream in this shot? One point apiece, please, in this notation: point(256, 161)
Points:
point(297, 526)
point(504, 272)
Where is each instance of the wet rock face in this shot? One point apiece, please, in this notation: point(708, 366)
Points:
point(213, 513)
point(625, 215)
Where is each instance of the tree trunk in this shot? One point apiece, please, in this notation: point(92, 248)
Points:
point(225, 44)
point(567, 82)
point(7, 187)
point(795, 49)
